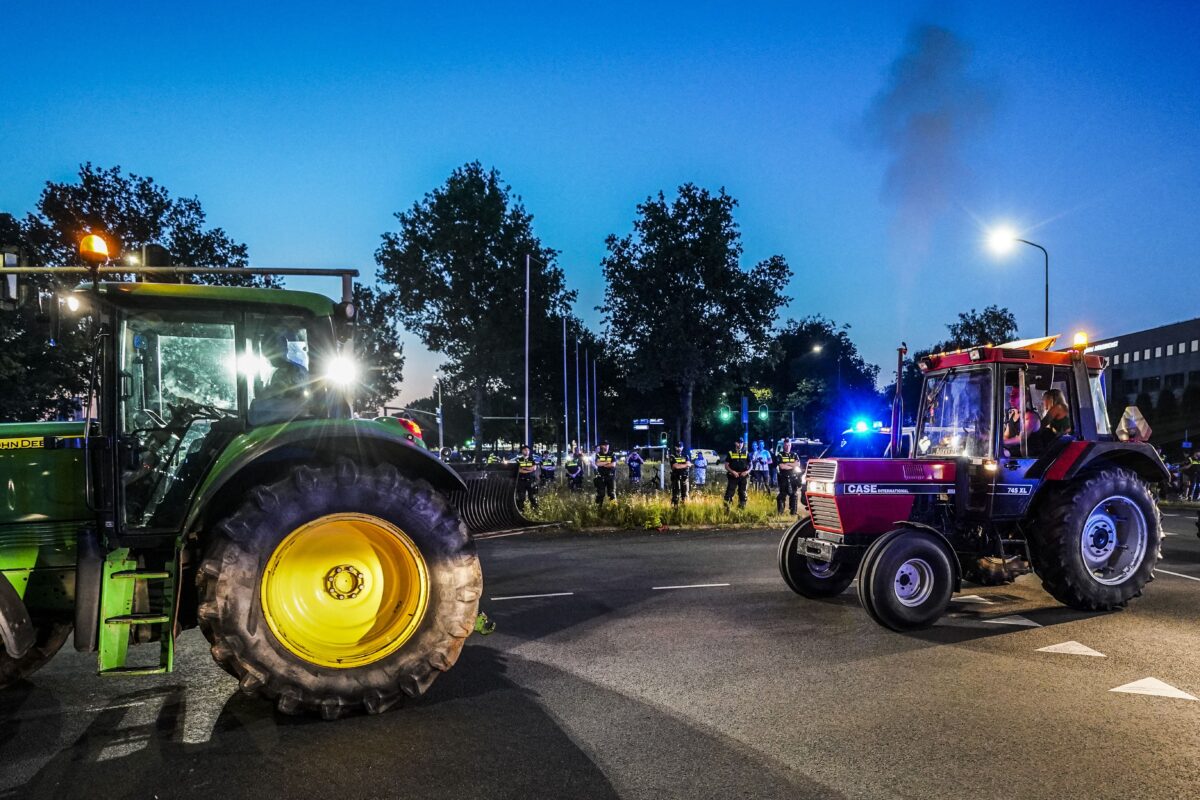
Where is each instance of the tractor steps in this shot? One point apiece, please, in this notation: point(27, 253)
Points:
point(132, 599)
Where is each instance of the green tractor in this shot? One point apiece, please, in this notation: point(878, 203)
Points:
point(219, 480)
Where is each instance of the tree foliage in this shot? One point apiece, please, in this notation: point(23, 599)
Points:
point(680, 308)
point(454, 273)
point(378, 349)
point(131, 211)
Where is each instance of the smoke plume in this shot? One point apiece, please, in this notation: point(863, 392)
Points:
point(924, 119)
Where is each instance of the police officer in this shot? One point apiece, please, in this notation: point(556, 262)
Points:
point(574, 470)
point(606, 473)
point(699, 470)
point(737, 472)
point(548, 467)
point(789, 470)
point(635, 462)
point(526, 479)
point(679, 466)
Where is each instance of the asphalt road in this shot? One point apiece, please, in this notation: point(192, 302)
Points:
point(619, 686)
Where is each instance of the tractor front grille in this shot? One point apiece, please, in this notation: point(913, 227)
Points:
point(821, 470)
point(824, 513)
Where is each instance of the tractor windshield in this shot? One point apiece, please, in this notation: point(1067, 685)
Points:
point(956, 416)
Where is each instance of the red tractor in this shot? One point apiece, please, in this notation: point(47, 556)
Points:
point(1014, 468)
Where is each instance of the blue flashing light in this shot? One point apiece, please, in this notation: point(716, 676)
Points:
point(860, 426)
point(877, 425)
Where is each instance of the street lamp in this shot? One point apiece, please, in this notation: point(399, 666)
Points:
point(1002, 239)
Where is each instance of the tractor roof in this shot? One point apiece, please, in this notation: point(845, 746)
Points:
point(169, 293)
point(1029, 351)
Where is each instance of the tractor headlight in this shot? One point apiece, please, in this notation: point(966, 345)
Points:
point(341, 370)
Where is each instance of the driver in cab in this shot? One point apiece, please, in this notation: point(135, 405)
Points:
point(285, 395)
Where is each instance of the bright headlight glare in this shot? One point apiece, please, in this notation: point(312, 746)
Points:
point(342, 370)
point(72, 303)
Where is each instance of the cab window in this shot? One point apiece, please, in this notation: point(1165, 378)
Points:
point(956, 416)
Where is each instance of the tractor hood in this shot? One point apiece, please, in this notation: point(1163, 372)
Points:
point(869, 495)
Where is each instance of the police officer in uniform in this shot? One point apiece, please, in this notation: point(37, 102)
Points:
point(574, 470)
point(679, 465)
point(527, 484)
point(737, 471)
point(788, 468)
point(548, 466)
point(606, 473)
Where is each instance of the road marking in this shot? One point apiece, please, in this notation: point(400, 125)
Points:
point(484, 536)
point(1072, 648)
point(1015, 619)
point(530, 596)
point(689, 586)
point(971, 598)
point(1155, 687)
point(1178, 574)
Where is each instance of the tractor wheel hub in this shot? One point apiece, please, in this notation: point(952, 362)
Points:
point(345, 582)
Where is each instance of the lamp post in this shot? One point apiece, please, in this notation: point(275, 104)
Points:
point(1001, 241)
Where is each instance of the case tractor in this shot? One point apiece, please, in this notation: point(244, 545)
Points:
point(1013, 468)
point(220, 480)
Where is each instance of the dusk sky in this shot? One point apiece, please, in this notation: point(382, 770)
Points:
point(303, 131)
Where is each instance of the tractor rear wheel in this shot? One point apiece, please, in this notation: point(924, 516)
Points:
point(339, 588)
point(50, 638)
point(1095, 542)
point(808, 577)
point(906, 579)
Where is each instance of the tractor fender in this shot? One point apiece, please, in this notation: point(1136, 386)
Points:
point(258, 457)
point(1139, 457)
point(954, 563)
point(16, 628)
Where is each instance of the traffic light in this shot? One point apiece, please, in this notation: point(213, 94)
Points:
point(725, 414)
point(762, 413)
point(470, 445)
point(662, 437)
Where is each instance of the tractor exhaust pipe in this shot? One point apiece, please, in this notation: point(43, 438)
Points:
point(898, 400)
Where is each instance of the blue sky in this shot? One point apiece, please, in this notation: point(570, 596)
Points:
point(302, 131)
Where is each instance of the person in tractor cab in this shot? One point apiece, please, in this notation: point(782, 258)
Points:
point(286, 394)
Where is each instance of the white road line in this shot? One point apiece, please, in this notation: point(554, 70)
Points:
point(530, 596)
point(1178, 574)
point(690, 586)
point(500, 535)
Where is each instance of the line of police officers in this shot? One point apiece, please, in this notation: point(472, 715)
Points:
point(737, 473)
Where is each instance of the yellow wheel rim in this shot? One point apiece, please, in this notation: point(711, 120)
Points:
point(345, 590)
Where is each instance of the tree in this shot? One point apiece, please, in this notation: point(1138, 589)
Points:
point(131, 211)
point(454, 273)
point(378, 349)
point(682, 260)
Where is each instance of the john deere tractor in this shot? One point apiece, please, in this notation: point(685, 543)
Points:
point(1014, 468)
point(219, 480)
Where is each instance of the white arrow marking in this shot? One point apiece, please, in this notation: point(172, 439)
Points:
point(971, 598)
point(1015, 619)
point(1153, 686)
point(1071, 648)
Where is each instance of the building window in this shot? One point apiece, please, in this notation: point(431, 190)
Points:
point(1146, 354)
point(1158, 352)
point(1182, 348)
point(1194, 377)
point(1170, 349)
point(1130, 386)
point(1174, 380)
point(1195, 345)
point(1137, 356)
point(1151, 384)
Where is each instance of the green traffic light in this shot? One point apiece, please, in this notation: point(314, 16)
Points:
point(762, 413)
point(725, 414)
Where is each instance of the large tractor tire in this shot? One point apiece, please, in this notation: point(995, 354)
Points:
point(906, 579)
point(805, 576)
point(338, 589)
point(50, 638)
point(995, 571)
point(1095, 542)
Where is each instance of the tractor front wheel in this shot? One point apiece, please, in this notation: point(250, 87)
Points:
point(339, 588)
point(906, 579)
point(1095, 543)
point(808, 577)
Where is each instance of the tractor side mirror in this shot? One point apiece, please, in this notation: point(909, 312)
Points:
point(344, 315)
